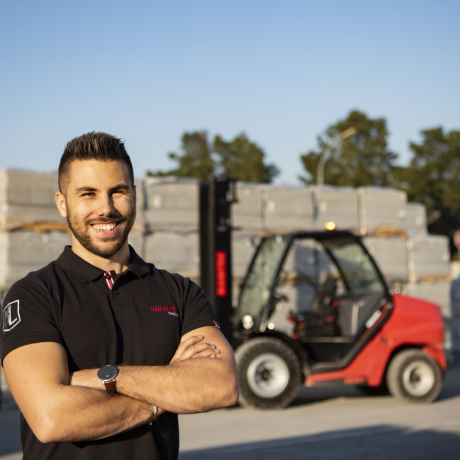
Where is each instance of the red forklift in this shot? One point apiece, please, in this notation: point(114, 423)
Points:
point(314, 309)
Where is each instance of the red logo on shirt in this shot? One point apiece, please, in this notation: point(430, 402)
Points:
point(170, 310)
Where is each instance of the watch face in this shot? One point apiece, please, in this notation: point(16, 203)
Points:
point(108, 372)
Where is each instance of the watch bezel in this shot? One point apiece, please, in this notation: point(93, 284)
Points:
point(105, 368)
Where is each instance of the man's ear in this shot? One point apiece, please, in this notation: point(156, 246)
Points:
point(135, 194)
point(60, 203)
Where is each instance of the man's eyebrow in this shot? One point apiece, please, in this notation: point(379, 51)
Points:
point(120, 187)
point(85, 188)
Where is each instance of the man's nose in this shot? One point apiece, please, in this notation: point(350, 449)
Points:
point(106, 205)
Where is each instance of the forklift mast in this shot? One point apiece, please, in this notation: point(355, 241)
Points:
point(216, 198)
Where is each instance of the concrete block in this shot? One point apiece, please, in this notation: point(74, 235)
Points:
point(25, 217)
point(28, 188)
point(289, 208)
point(437, 292)
point(23, 251)
point(175, 252)
point(337, 204)
point(391, 257)
point(136, 240)
point(140, 194)
point(382, 207)
point(415, 222)
point(247, 213)
point(172, 203)
point(429, 257)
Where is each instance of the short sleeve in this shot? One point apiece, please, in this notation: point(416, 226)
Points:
point(27, 316)
point(197, 311)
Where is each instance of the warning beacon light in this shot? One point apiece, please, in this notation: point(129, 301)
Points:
point(330, 226)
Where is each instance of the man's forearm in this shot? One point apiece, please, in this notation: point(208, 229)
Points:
point(189, 386)
point(184, 387)
point(83, 414)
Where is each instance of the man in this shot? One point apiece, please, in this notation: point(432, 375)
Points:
point(100, 304)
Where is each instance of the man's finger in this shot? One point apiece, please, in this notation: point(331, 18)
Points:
point(207, 354)
point(198, 348)
point(185, 345)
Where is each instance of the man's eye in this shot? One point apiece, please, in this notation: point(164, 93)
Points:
point(87, 194)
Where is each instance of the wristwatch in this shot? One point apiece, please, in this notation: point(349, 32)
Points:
point(107, 374)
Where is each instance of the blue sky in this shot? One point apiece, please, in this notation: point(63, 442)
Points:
point(281, 71)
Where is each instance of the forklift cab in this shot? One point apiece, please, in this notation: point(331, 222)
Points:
point(321, 288)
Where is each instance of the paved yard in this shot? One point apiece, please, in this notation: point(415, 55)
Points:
point(334, 423)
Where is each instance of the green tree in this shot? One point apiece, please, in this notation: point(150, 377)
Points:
point(239, 159)
point(364, 158)
point(243, 160)
point(433, 178)
point(195, 159)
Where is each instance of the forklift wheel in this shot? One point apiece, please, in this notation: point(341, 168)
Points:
point(269, 373)
point(414, 377)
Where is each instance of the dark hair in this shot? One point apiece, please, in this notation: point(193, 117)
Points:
point(93, 146)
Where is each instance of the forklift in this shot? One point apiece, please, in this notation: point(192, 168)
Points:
point(314, 309)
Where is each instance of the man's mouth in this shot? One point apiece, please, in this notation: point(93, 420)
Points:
point(105, 227)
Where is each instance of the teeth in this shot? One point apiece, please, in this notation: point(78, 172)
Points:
point(105, 227)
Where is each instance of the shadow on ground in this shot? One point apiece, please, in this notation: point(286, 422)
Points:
point(377, 443)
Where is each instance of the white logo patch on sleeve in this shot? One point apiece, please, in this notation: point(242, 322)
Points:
point(11, 316)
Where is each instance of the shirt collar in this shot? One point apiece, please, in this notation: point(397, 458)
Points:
point(74, 265)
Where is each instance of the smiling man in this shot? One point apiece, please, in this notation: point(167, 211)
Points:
point(101, 350)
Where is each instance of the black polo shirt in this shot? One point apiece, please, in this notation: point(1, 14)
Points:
point(137, 317)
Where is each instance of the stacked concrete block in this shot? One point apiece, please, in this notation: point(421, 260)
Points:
point(436, 292)
point(381, 207)
point(136, 240)
point(247, 213)
point(174, 252)
point(172, 203)
point(24, 251)
point(390, 255)
point(289, 208)
point(28, 198)
point(336, 204)
point(429, 258)
point(415, 223)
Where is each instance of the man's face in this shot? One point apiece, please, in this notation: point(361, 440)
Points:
point(100, 205)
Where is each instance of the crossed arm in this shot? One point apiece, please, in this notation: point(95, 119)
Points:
point(56, 411)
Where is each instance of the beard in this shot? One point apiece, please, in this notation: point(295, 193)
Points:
point(101, 248)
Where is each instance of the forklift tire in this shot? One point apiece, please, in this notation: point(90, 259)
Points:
point(269, 373)
point(414, 377)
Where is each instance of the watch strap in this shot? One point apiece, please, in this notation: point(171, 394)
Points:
point(111, 386)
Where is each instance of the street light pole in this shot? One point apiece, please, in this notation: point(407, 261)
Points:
point(336, 143)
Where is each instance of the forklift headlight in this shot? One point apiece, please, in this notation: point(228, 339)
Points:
point(330, 226)
point(248, 322)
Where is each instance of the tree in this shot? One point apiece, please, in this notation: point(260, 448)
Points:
point(196, 158)
point(433, 178)
point(364, 158)
point(243, 160)
point(239, 159)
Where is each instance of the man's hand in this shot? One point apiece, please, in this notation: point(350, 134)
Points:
point(192, 348)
